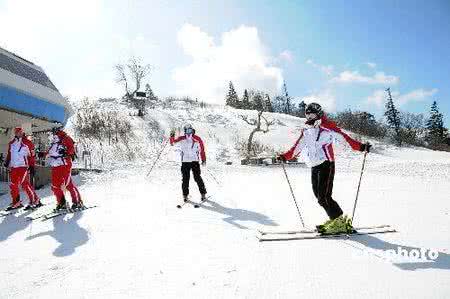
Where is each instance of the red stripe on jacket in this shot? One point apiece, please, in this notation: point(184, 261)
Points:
point(290, 153)
point(202, 148)
point(326, 123)
point(174, 140)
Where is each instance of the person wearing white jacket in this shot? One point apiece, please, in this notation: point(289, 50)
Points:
point(315, 144)
point(192, 151)
point(21, 162)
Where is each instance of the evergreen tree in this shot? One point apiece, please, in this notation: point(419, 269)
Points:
point(268, 104)
point(436, 132)
point(288, 105)
point(257, 100)
point(232, 97)
point(246, 100)
point(301, 109)
point(278, 104)
point(393, 117)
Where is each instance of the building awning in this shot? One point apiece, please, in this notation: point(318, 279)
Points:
point(28, 95)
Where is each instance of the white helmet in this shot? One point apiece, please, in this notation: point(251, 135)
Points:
point(188, 129)
point(187, 126)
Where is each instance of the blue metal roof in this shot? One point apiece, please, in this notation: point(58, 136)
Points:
point(21, 69)
point(17, 101)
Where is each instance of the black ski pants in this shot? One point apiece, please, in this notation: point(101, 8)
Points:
point(322, 177)
point(186, 172)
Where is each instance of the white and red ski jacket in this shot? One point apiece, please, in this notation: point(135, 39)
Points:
point(61, 142)
point(20, 153)
point(315, 143)
point(191, 148)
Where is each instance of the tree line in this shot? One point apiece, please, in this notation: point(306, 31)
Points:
point(258, 100)
point(398, 126)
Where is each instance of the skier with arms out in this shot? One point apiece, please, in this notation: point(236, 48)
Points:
point(192, 151)
point(60, 156)
point(316, 145)
point(21, 161)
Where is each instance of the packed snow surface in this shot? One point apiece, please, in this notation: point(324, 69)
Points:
point(137, 244)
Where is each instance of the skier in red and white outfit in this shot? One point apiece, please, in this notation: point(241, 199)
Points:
point(192, 151)
point(21, 161)
point(59, 156)
point(316, 146)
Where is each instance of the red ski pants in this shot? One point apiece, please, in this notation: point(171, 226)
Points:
point(19, 176)
point(62, 179)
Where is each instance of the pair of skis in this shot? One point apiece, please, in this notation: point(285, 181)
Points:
point(308, 234)
point(19, 211)
point(195, 204)
point(54, 214)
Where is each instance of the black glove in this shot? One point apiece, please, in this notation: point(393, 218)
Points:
point(281, 158)
point(203, 162)
point(31, 170)
point(172, 133)
point(6, 164)
point(62, 152)
point(365, 147)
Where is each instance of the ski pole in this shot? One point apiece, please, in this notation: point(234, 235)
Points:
point(210, 173)
point(157, 158)
point(292, 193)
point(359, 184)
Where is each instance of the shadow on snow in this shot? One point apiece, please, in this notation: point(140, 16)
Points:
point(234, 215)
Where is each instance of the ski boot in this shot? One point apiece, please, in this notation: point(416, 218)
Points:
point(340, 225)
point(38, 205)
point(185, 198)
point(77, 205)
point(61, 206)
point(349, 224)
point(203, 198)
point(321, 227)
point(33, 205)
point(28, 207)
point(14, 206)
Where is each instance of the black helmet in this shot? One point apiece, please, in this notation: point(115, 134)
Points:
point(314, 108)
point(56, 129)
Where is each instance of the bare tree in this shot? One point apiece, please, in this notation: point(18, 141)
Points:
point(122, 79)
point(257, 124)
point(135, 71)
point(138, 71)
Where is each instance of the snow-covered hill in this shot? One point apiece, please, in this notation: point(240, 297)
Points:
point(137, 244)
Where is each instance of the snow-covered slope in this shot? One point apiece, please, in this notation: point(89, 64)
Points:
point(221, 127)
point(137, 244)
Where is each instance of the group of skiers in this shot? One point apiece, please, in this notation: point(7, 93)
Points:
point(315, 144)
point(21, 162)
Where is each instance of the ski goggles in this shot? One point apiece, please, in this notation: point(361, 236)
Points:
point(311, 116)
point(188, 131)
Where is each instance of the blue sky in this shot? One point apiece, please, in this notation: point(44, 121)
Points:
point(340, 53)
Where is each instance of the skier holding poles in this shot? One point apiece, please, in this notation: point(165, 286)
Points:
point(192, 151)
point(316, 145)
